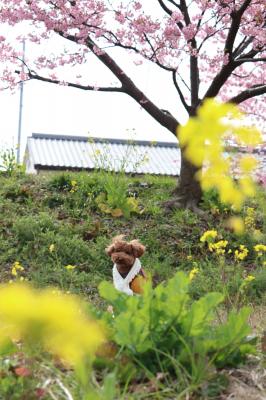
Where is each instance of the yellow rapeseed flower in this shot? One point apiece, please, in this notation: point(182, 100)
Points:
point(249, 278)
point(192, 273)
point(242, 253)
point(236, 224)
point(51, 247)
point(70, 267)
point(218, 247)
point(203, 139)
point(53, 320)
point(248, 163)
point(259, 248)
point(208, 235)
point(17, 266)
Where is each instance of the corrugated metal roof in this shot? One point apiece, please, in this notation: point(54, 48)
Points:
point(46, 151)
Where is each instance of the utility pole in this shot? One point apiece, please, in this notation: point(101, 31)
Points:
point(20, 104)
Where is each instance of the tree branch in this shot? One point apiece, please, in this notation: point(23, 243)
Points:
point(182, 98)
point(165, 8)
point(35, 76)
point(244, 60)
point(254, 91)
point(128, 86)
point(236, 20)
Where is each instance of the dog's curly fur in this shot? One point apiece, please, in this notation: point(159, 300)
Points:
point(124, 253)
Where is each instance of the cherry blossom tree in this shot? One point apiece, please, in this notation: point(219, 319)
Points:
point(210, 48)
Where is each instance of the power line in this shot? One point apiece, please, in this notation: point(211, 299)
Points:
point(20, 103)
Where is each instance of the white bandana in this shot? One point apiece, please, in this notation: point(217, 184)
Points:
point(122, 284)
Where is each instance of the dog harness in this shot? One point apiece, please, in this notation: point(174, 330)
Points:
point(122, 284)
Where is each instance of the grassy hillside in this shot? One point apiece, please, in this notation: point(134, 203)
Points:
point(49, 223)
point(39, 211)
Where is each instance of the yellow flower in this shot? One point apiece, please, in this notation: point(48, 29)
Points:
point(51, 247)
point(70, 267)
point(208, 235)
point(17, 266)
point(189, 257)
point(97, 152)
point(74, 183)
point(260, 248)
point(242, 253)
point(192, 273)
point(63, 329)
point(236, 224)
point(248, 163)
point(218, 247)
point(203, 139)
point(14, 271)
point(249, 278)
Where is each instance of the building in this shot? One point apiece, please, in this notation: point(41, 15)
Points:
point(46, 152)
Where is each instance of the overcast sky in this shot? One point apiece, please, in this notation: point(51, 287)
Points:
point(54, 109)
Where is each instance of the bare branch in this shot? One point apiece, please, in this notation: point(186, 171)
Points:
point(242, 46)
point(174, 3)
point(244, 60)
point(165, 8)
point(182, 98)
point(253, 91)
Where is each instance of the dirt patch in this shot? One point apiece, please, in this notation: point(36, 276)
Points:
point(247, 383)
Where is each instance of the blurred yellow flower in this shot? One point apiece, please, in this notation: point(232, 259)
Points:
point(51, 247)
point(192, 273)
point(236, 224)
point(70, 267)
point(54, 321)
point(248, 163)
point(203, 139)
point(249, 278)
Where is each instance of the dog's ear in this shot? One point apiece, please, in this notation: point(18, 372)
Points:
point(137, 248)
point(110, 249)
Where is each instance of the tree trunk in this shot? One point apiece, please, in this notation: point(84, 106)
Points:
point(188, 193)
point(189, 190)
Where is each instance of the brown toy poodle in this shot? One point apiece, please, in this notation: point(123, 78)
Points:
point(128, 275)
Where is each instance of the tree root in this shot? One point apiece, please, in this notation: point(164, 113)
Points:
point(180, 202)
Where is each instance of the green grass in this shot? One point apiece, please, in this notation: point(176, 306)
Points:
point(37, 211)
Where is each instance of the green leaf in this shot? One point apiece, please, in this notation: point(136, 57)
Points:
point(109, 387)
point(7, 347)
point(108, 292)
point(201, 313)
point(235, 329)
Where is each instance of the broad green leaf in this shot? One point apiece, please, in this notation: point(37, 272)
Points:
point(234, 330)
point(200, 314)
point(108, 292)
